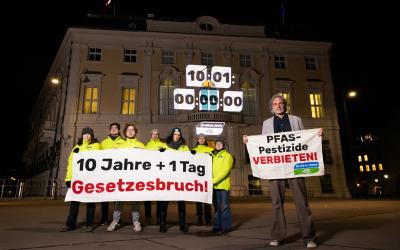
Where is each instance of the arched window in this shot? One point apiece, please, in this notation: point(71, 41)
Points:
point(249, 98)
point(166, 103)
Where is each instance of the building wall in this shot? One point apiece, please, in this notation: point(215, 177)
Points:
point(110, 74)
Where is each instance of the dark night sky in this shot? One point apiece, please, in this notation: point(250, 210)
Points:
point(361, 34)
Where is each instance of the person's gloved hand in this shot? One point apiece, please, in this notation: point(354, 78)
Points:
point(193, 152)
point(76, 150)
point(161, 149)
point(68, 184)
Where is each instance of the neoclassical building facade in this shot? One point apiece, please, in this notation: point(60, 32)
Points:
point(126, 76)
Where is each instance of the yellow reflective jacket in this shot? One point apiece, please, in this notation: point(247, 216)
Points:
point(222, 165)
point(84, 147)
point(181, 148)
point(132, 143)
point(109, 143)
point(203, 149)
point(155, 144)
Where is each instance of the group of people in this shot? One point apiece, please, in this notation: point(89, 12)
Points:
point(222, 164)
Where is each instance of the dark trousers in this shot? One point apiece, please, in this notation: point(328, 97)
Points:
point(279, 226)
point(203, 209)
point(73, 214)
point(164, 210)
point(104, 212)
point(223, 215)
point(147, 209)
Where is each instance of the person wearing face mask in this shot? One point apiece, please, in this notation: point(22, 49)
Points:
point(222, 165)
point(85, 143)
point(112, 141)
point(130, 132)
point(175, 141)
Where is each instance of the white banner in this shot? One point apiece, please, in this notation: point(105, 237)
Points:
point(140, 175)
point(286, 155)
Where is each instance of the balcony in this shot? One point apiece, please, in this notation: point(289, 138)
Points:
point(213, 116)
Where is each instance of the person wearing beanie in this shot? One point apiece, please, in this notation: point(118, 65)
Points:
point(175, 141)
point(202, 208)
point(113, 141)
point(153, 144)
point(222, 165)
point(130, 132)
point(86, 142)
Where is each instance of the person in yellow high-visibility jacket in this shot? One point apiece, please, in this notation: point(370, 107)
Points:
point(113, 140)
point(87, 142)
point(222, 165)
point(203, 208)
point(130, 132)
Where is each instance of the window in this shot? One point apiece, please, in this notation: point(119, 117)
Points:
point(359, 158)
point(167, 97)
point(326, 152)
point(380, 166)
point(167, 57)
point(128, 101)
point(326, 184)
point(373, 167)
point(130, 55)
point(94, 54)
point(365, 157)
point(206, 26)
point(367, 168)
point(254, 185)
point(280, 62)
point(249, 99)
point(90, 101)
point(207, 59)
point(286, 95)
point(310, 63)
point(316, 105)
point(361, 168)
point(245, 61)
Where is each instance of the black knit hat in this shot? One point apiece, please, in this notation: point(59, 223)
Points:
point(220, 139)
point(88, 130)
point(176, 130)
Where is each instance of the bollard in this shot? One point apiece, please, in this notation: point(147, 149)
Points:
point(20, 190)
point(53, 192)
point(2, 189)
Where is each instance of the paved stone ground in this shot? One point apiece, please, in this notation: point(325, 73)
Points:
point(340, 224)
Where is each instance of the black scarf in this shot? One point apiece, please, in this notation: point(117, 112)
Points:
point(175, 144)
point(113, 137)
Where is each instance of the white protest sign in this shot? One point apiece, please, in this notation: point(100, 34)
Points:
point(140, 175)
point(286, 155)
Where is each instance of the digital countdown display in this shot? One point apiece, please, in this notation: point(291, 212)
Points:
point(208, 97)
point(208, 100)
point(202, 75)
